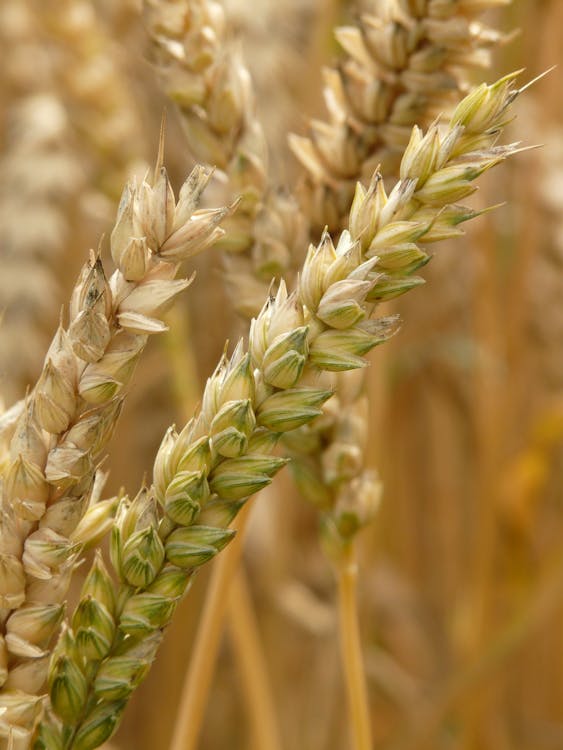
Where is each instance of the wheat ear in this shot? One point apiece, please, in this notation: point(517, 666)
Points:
point(96, 93)
point(409, 59)
point(203, 475)
point(49, 509)
point(406, 61)
point(204, 75)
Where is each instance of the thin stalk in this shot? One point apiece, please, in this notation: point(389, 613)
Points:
point(490, 404)
point(193, 699)
point(243, 629)
point(351, 649)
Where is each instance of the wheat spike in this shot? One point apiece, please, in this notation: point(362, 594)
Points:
point(51, 484)
point(418, 66)
point(430, 48)
point(92, 83)
point(405, 62)
point(205, 76)
point(40, 176)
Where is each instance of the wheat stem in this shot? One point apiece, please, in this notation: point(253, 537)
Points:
point(193, 698)
point(243, 628)
point(351, 648)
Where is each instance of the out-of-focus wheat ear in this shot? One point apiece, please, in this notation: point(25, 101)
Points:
point(204, 74)
point(92, 82)
point(40, 177)
point(65, 126)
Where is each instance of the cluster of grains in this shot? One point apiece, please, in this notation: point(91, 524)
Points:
point(204, 474)
point(406, 61)
point(329, 464)
point(205, 76)
point(51, 484)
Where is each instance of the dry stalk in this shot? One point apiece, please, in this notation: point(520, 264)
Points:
point(204, 474)
point(52, 483)
point(351, 645)
point(246, 639)
point(197, 683)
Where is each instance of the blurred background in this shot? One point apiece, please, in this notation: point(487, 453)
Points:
point(461, 589)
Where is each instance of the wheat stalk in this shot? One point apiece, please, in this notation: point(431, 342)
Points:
point(203, 475)
point(51, 483)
